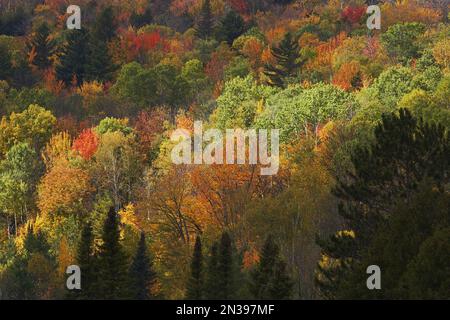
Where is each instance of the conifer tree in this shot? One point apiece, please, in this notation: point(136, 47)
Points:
point(269, 280)
point(5, 62)
point(42, 47)
point(99, 64)
point(231, 27)
point(225, 268)
point(142, 276)
point(86, 262)
point(71, 68)
point(139, 20)
point(195, 282)
point(205, 24)
point(212, 288)
point(288, 62)
point(112, 262)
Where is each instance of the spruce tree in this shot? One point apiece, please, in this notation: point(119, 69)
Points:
point(269, 280)
point(288, 62)
point(142, 276)
point(195, 282)
point(212, 288)
point(42, 46)
point(86, 262)
point(112, 262)
point(71, 67)
point(99, 64)
point(140, 20)
point(5, 62)
point(225, 268)
point(231, 27)
point(205, 24)
point(105, 27)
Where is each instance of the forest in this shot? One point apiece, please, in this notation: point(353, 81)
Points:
point(87, 179)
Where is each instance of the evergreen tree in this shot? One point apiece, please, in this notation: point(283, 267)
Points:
point(140, 20)
point(105, 27)
point(42, 47)
point(405, 153)
point(195, 283)
point(99, 65)
point(205, 24)
point(225, 268)
point(212, 287)
point(112, 262)
point(231, 27)
point(86, 262)
point(269, 280)
point(5, 62)
point(71, 67)
point(142, 276)
point(288, 62)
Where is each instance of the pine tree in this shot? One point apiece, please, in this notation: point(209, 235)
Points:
point(5, 62)
point(231, 27)
point(42, 47)
point(212, 288)
point(288, 62)
point(86, 262)
point(205, 24)
point(225, 268)
point(195, 283)
point(105, 27)
point(99, 64)
point(73, 58)
point(140, 20)
point(142, 276)
point(269, 280)
point(112, 262)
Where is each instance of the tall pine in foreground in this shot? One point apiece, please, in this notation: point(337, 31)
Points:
point(142, 276)
point(41, 47)
point(195, 282)
point(270, 280)
point(287, 55)
point(113, 270)
point(71, 67)
point(205, 24)
point(86, 262)
point(378, 202)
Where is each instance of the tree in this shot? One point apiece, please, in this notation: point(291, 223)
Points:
point(405, 153)
point(212, 287)
point(87, 263)
point(138, 20)
point(401, 40)
point(5, 62)
point(142, 276)
point(205, 24)
point(73, 58)
point(269, 280)
point(231, 27)
point(226, 271)
point(99, 65)
point(112, 262)
point(41, 47)
point(288, 62)
point(195, 282)
point(17, 183)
